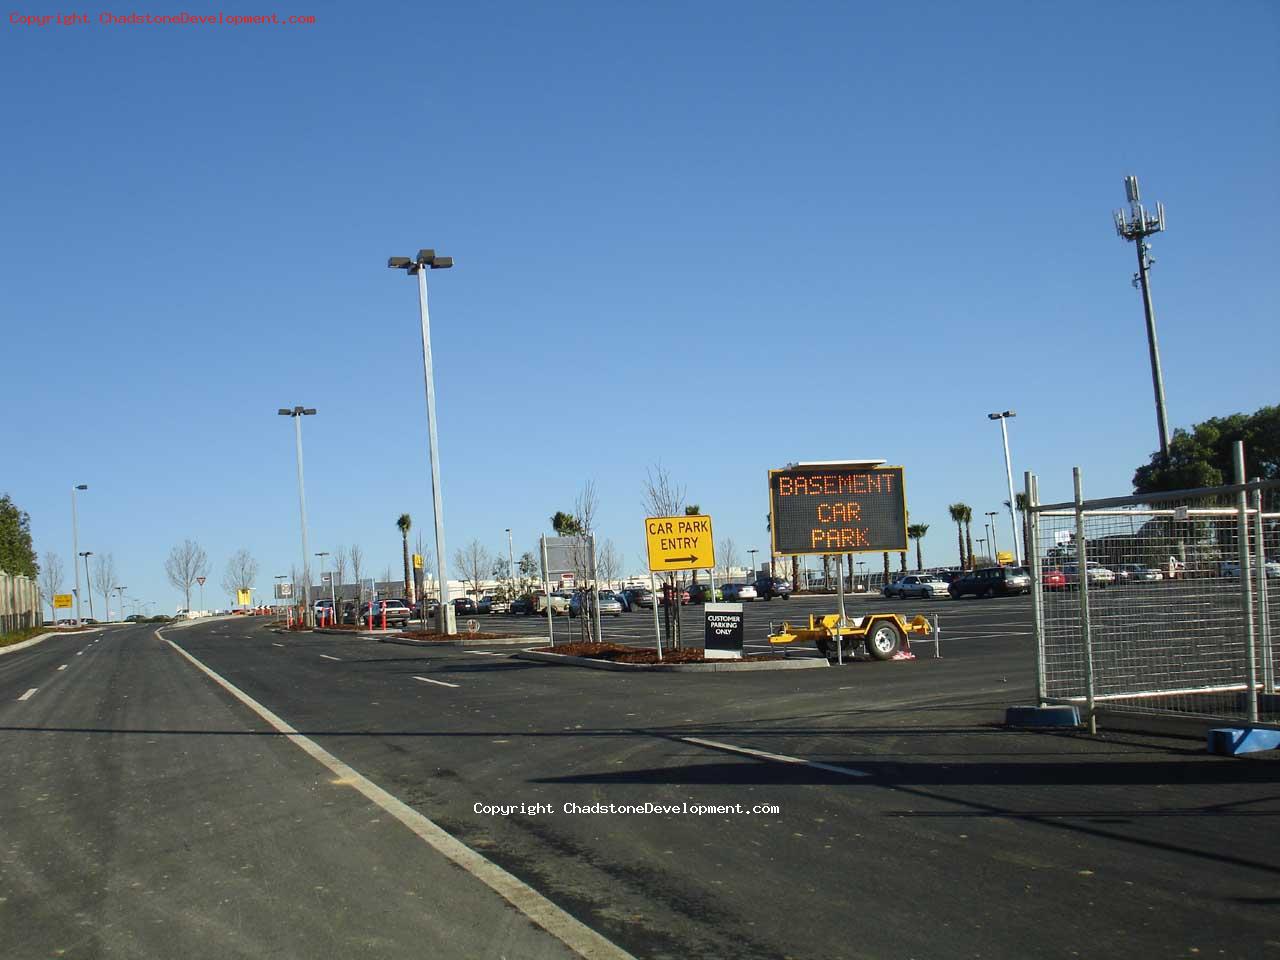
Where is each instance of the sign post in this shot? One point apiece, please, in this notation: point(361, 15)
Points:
point(674, 544)
point(199, 580)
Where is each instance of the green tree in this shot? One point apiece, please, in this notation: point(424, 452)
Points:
point(1202, 457)
point(959, 512)
point(565, 524)
point(17, 556)
point(916, 532)
point(404, 522)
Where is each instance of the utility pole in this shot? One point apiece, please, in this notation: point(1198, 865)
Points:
point(1136, 228)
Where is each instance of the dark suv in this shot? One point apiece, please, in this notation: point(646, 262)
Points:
point(992, 582)
point(769, 587)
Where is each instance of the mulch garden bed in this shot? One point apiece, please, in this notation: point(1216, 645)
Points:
point(449, 638)
point(617, 653)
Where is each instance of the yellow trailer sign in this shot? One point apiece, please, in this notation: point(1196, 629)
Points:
point(62, 601)
point(680, 543)
point(244, 597)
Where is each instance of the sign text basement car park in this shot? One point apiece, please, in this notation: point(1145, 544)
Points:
point(837, 510)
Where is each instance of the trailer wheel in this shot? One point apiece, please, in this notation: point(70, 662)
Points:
point(884, 640)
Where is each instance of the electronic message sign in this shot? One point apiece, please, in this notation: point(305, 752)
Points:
point(837, 509)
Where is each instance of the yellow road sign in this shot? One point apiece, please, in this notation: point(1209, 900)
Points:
point(417, 561)
point(680, 543)
point(244, 597)
point(62, 601)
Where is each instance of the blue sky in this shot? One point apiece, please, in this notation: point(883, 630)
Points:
point(722, 236)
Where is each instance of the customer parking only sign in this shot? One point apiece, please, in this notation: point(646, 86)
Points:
point(723, 637)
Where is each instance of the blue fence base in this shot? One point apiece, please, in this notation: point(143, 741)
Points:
point(1050, 716)
point(1233, 741)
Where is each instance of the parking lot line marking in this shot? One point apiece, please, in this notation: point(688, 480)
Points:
point(441, 682)
point(277, 644)
point(484, 653)
point(63, 667)
point(327, 657)
point(777, 757)
point(27, 695)
point(575, 934)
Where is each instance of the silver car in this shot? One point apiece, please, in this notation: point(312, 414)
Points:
point(923, 585)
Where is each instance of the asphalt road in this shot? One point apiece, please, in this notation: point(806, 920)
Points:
point(903, 821)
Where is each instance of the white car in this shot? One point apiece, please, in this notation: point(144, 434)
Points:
point(1099, 576)
point(922, 585)
point(739, 591)
point(1231, 568)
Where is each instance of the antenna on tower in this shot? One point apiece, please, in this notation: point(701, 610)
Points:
point(1136, 227)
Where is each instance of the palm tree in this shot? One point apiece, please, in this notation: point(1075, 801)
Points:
point(958, 511)
point(886, 569)
point(404, 523)
point(916, 532)
point(1020, 503)
point(968, 534)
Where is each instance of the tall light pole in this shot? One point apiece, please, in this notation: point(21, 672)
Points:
point(752, 552)
point(279, 578)
point(995, 545)
point(333, 600)
point(1136, 228)
point(982, 541)
point(511, 561)
point(427, 260)
point(298, 413)
point(75, 545)
point(1008, 472)
point(120, 593)
point(87, 554)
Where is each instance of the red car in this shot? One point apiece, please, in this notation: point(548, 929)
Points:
point(666, 597)
point(1053, 580)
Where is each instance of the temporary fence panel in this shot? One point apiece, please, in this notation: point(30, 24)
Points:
point(1158, 604)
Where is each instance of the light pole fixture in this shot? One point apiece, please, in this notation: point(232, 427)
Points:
point(1136, 228)
point(298, 413)
point(511, 562)
point(333, 599)
point(1008, 472)
point(995, 545)
point(120, 593)
point(752, 552)
point(419, 265)
point(75, 545)
point(87, 554)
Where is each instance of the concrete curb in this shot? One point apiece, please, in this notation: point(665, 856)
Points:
point(725, 667)
point(32, 641)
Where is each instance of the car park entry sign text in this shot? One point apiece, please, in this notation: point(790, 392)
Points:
point(837, 510)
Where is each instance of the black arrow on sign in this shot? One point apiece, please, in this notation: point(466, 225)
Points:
point(680, 559)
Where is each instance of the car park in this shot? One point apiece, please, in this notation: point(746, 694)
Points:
point(609, 605)
point(1231, 568)
point(484, 605)
point(1098, 575)
point(559, 602)
point(769, 587)
point(703, 593)
point(991, 582)
point(1136, 572)
point(521, 606)
point(924, 586)
point(1053, 579)
point(499, 605)
point(639, 599)
point(464, 605)
point(666, 596)
point(739, 592)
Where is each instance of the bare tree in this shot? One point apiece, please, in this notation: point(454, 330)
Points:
point(608, 563)
point(728, 556)
point(241, 574)
point(339, 573)
point(357, 571)
point(51, 574)
point(663, 497)
point(186, 562)
point(104, 578)
point(473, 562)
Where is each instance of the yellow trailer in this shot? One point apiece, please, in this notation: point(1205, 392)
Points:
point(883, 634)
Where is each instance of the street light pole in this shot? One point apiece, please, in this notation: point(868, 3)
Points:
point(298, 413)
point(427, 259)
point(511, 562)
point(333, 600)
point(75, 546)
point(752, 552)
point(1008, 471)
point(120, 593)
point(87, 554)
point(991, 530)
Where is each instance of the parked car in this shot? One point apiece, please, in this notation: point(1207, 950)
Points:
point(397, 611)
point(1053, 579)
point(1099, 576)
point(991, 582)
point(464, 605)
point(523, 606)
point(739, 592)
point(499, 605)
point(427, 609)
point(609, 605)
point(484, 604)
point(640, 599)
point(769, 587)
point(702, 593)
point(1231, 568)
point(665, 599)
point(922, 585)
point(1134, 572)
point(559, 602)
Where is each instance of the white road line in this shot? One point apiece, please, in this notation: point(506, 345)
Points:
point(572, 932)
point(63, 667)
point(327, 657)
point(441, 682)
point(483, 653)
point(79, 653)
point(277, 644)
point(27, 695)
point(780, 758)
